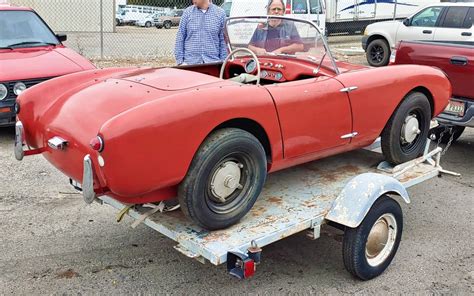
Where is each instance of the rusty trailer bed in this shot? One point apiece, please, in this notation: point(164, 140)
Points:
point(293, 200)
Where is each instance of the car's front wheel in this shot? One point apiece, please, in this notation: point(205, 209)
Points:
point(378, 53)
point(224, 180)
point(405, 135)
point(148, 24)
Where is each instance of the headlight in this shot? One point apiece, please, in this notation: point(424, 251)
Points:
point(3, 91)
point(18, 88)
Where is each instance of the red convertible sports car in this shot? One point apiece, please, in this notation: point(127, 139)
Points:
point(209, 134)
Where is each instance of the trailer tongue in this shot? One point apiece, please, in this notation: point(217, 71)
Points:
point(349, 191)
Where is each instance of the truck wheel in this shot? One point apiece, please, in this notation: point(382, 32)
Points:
point(378, 53)
point(369, 248)
point(224, 180)
point(167, 25)
point(148, 24)
point(456, 131)
point(405, 135)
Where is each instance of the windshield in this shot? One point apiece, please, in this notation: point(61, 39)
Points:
point(24, 29)
point(279, 36)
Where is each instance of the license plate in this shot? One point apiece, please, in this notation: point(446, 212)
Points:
point(455, 107)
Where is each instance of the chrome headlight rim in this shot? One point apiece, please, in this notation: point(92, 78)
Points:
point(18, 88)
point(3, 91)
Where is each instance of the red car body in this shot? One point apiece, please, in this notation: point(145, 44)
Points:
point(33, 64)
point(154, 120)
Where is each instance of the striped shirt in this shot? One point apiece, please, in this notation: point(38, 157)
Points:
point(200, 37)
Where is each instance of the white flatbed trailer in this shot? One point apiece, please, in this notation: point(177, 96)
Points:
point(339, 190)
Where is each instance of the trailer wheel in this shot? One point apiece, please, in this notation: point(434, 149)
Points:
point(378, 53)
point(369, 248)
point(405, 135)
point(224, 180)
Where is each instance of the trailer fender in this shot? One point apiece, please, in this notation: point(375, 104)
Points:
point(358, 196)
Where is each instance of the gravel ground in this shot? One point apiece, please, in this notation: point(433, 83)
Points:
point(53, 243)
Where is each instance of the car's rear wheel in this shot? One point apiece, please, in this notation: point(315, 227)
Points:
point(167, 25)
point(224, 180)
point(405, 135)
point(378, 53)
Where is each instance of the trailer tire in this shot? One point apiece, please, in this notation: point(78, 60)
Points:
point(405, 135)
point(224, 180)
point(382, 225)
point(378, 53)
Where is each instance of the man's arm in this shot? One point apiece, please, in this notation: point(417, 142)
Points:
point(222, 44)
point(180, 38)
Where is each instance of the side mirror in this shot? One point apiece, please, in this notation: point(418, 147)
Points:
point(61, 37)
point(406, 22)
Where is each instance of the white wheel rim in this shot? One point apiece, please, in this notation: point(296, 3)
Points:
point(225, 180)
point(410, 129)
point(381, 240)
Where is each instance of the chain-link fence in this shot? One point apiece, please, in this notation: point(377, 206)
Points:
point(146, 29)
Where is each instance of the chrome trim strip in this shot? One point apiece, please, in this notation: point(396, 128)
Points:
point(351, 135)
point(349, 89)
point(19, 152)
point(88, 181)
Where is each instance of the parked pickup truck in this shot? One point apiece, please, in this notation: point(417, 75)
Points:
point(456, 59)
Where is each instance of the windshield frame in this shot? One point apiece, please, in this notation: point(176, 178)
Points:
point(267, 17)
point(58, 42)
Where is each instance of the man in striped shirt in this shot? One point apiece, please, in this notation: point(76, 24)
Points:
point(200, 37)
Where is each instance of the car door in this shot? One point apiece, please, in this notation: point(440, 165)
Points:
point(421, 26)
point(314, 115)
point(456, 25)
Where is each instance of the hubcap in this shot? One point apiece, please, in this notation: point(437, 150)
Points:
point(381, 239)
point(377, 53)
point(410, 129)
point(225, 180)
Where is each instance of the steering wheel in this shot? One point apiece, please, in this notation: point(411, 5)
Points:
point(232, 53)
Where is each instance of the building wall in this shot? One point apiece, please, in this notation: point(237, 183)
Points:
point(74, 15)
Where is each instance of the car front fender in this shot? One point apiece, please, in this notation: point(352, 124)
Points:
point(358, 196)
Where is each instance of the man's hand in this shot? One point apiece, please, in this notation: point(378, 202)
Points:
point(260, 51)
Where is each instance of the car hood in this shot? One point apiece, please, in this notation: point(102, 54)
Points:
point(29, 63)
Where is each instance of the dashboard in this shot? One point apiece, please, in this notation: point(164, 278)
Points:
point(277, 69)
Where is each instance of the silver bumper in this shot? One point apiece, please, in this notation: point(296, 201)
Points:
point(19, 136)
point(88, 181)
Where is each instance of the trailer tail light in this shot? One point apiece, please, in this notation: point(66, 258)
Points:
point(97, 143)
point(288, 7)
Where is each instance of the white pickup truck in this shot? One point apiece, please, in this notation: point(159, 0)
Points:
point(436, 22)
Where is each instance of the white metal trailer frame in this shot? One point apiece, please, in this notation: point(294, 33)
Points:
point(340, 189)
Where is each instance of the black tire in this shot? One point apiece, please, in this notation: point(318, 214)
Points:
point(455, 130)
point(378, 53)
point(395, 148)
point(167, 25)
point(148, 24)
point(356, 252)
point(196, 194)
